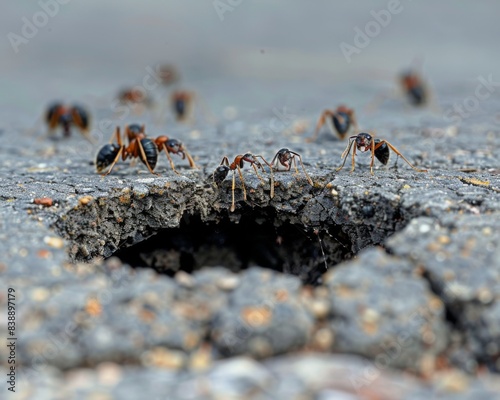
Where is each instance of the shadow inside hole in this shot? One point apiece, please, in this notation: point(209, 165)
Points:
point(260, 238)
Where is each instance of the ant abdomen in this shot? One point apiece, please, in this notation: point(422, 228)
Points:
point(151, 152)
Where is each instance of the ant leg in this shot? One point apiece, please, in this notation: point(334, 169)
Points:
point(232, 193)
point(257, 173)
point(114, 161)
point(170, 159)
point(303, 169)
point(319, 125)
point(401, 155)
point(353, 162)
point(345, 154)
point(271, 194)
point(373, 156)
point(270, 165)
point(242, 183)
point(117, 137)
point(143, 155)
point(190, 159)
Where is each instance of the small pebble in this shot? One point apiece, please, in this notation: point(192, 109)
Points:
point(54, 242)
point(44, 201)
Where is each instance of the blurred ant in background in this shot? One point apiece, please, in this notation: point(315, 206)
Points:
point(65, 116)
point(168, 74)
point(285, 157)
point(342, 119)
point(135, 97)
point(379, 148)
point(183, 105)
point(412, 86)
point(223, 169)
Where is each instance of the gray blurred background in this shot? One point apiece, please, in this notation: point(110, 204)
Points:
point(258, 54)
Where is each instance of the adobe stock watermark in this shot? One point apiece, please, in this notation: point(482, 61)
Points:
point(222, 7)
point(363, 37)
point(30, 27)
point(468, 106)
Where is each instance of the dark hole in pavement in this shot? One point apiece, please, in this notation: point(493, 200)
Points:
point(260, 238)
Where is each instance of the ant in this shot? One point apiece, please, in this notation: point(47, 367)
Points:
point(58, 114)
point(168, 74)
point(342, 118)
point(136, 98)
point(414, 88)
point(139, 147)
point(379, 148)
point(223, 169)
point(182, 103)
point(286, 157)
point(175, 147)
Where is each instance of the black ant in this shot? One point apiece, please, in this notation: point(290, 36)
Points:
point(379, 148)
point(139, 147)
point(286, 157)
point(343, 118)
point(59, 114)
point(183, 104)
point(223, 169)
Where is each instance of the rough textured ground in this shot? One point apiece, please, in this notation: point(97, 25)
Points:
point(411, 281)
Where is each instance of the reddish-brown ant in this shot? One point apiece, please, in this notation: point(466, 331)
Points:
point(342, 118)
point(168, 74)
point(223, 169)
point(134, 96)
point(414, 88)
point(285, 157)
point(378, 147)
point(175, 147)
point(65, 116)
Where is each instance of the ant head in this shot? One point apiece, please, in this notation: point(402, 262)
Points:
point(173, 145)
point(284, 155)
point(363, 141)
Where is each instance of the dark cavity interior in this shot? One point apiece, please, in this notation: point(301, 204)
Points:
point(260, 238)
